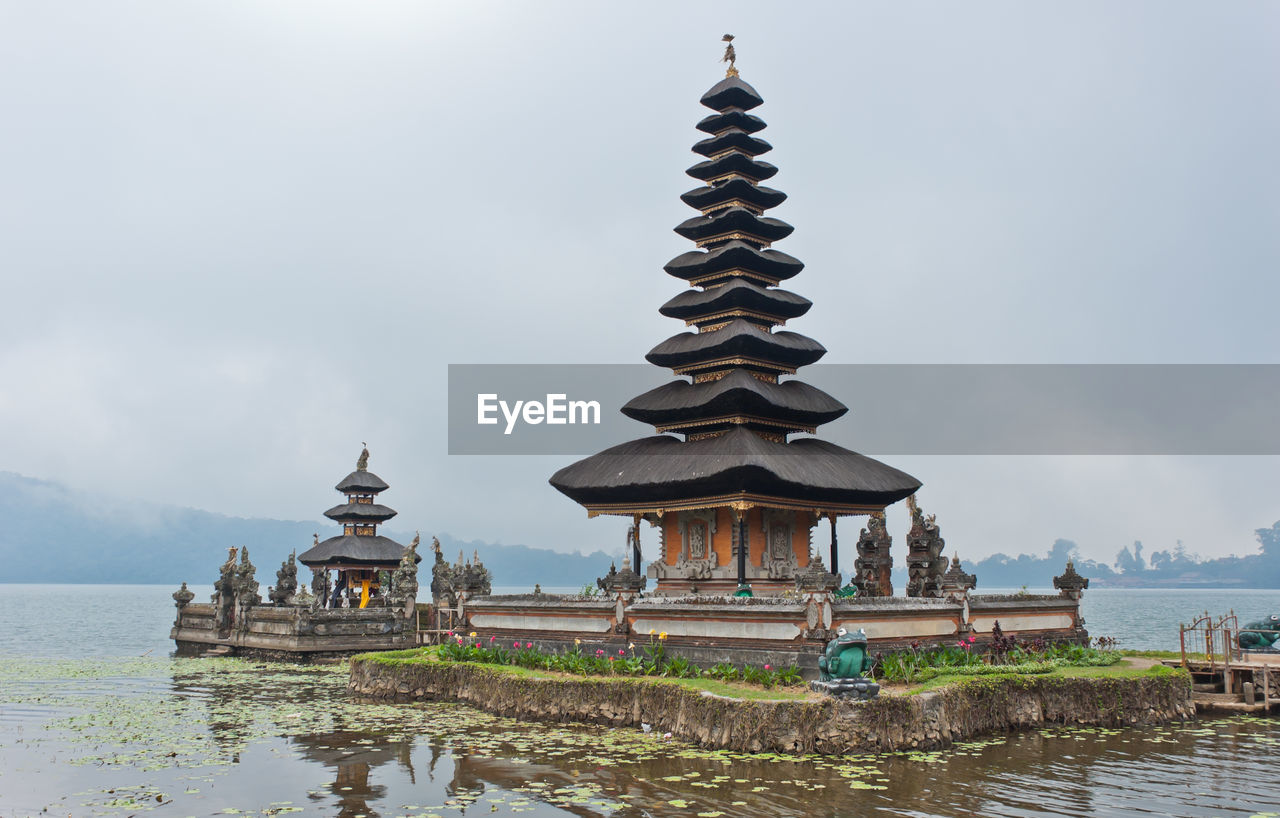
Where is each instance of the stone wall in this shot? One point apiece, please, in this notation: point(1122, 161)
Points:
point(295, 632)
point(773, 630)
point(926, 721)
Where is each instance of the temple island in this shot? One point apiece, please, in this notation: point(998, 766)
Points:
point(736, 482)
point(363, 593)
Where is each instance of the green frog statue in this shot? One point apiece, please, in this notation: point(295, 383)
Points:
point(842, 665)
point(1261, 635)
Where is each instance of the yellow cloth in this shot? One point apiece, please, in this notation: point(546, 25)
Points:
point(364, 592)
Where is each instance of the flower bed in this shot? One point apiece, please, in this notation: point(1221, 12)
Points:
point(1004, 654)
point(650, 659)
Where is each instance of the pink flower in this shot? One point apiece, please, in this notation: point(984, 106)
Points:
point(491, 638)
point(528, 644)
point(621, 651)
point(516, 644)
point(766, 667)
point(972, 639)
point(477, 646)
point(600, 652)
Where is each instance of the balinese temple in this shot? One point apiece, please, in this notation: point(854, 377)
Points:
point(735, 458)
point(359, 553)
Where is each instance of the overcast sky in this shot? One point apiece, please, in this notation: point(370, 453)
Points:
point(237, 239)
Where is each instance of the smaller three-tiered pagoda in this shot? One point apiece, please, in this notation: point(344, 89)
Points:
point(359, 553)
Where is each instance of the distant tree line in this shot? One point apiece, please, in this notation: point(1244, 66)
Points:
point(1132, 567)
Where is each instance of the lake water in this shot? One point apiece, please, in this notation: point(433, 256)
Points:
point(97, 719)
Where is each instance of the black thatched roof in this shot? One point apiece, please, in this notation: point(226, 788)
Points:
point(738, 163)
point(715, 123)
point(360, 512)
point(664, 470)
point(709, 196)
point(731, 219)
point(734, 339)
point(737, 293)
point(734, 255)
point(732, 139)
point(736, 394)
point(350, 549)
point(362, 482)
point(731, 92)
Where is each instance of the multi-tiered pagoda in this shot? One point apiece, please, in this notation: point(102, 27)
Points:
point(360, 553)
point(726, 466)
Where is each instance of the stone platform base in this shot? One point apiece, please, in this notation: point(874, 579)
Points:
point(929, 720)
point(851, 689)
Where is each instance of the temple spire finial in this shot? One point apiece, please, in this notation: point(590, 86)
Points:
point(729, 56)
point(362, 464)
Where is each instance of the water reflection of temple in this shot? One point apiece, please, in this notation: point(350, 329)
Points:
point(352, 755)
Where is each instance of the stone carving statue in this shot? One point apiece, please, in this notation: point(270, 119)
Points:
point(319, 587)
point(182, 597)
point(441, 590)
point(404, 581)
point(873, 569)
point(1261, 635)
point(246, 589)
point(224, 593)
point(842, 665)
point(362, 464)
point(626, 581)
point(286, 582)
point(925, 563)
point(1069, 583)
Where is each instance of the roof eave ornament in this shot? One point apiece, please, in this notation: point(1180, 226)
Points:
point(729, 56)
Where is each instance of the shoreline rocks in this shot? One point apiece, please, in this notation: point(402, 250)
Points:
point(924, 721)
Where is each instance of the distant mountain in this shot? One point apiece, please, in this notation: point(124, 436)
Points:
point(55, 534)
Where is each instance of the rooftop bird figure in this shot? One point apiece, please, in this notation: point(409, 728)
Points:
point(729, 56)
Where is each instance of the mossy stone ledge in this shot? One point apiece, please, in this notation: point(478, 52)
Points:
point(928, 719)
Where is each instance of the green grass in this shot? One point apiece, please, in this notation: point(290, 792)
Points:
point(713, 686)
point(1123, 670)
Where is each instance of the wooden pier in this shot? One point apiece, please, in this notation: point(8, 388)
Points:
point(1226, 678)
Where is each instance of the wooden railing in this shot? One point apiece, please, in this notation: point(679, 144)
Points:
point(1217, 641)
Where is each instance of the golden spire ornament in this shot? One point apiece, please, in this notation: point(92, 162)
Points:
point(729, 56)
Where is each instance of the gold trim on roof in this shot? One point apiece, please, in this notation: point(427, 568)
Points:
point(734, 234)
point(735, 272)
point(756, 209)
point(743, 501)
point(720, 363)
point(737, 313)
point(737, 420)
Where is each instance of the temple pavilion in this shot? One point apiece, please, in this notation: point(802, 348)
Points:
point(359, 554)
point(735, 460)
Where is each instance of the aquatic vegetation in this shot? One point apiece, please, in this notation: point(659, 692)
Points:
point(235, 737)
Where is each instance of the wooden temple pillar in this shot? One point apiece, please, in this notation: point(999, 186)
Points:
point(638, 567)
point(835, 546)
point(744, 546)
